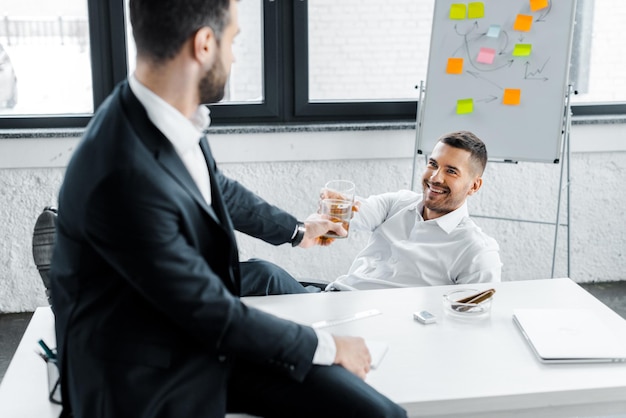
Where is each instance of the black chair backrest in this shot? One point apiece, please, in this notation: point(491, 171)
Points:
point(43, 244)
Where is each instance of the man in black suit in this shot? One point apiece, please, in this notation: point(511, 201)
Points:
point(145, 273)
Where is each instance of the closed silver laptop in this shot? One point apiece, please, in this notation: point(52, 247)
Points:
point(571, 335)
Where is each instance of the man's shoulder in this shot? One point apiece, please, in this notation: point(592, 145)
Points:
point(111, 110)
point(401, 198)
point(408, 195)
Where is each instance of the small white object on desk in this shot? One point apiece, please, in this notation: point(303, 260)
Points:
point(424, 317)
point(345, 319)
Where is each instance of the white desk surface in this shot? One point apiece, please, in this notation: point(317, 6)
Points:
point(481, 368)
point(448, 369)
point(24, 389)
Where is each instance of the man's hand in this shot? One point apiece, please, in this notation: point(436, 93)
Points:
point(316, 226)
point(353, 355)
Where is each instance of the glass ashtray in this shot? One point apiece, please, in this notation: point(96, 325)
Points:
point(455, 304)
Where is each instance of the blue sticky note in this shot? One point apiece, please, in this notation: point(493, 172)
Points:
point(494, 31)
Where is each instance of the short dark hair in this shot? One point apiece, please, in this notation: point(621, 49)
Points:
point(161, 27)
point(469, 142)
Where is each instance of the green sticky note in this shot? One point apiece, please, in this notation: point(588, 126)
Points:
point(476, 10)
point(457, 11)
point(464, 106)
point(522, 50)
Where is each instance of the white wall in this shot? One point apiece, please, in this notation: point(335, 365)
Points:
point(288, 168)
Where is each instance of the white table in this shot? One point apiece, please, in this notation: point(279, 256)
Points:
point(24, 389)
point(448, 369)
point(471, 369)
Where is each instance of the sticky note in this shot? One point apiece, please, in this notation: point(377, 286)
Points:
point(494, 31)
point(486, 55)
point(464, 106)
point(522, 50)
point(475, 10)
point(538, 5)
point(457, 11)
point(523, 23)
point(511, 97)
point(455, 66)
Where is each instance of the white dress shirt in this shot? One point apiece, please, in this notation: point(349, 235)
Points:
point(405, 250)
point(185, 134)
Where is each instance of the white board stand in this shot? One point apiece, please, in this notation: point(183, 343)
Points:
point(566, 154)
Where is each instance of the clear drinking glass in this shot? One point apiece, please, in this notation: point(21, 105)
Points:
point(337, 202)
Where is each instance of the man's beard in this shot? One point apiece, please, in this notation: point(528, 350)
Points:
point(212, 85)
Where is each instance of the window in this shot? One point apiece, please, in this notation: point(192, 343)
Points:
point(358, 59)
point(45, 58)
point(603, 51)
point(599, 57)
point(245, 84)
point(297, 61)
point(366, 49)
point(357, 51)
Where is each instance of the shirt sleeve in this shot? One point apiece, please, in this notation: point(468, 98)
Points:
point(377, 209)
point(326, 349)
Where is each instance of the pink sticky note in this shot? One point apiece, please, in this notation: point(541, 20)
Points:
point(486, 55)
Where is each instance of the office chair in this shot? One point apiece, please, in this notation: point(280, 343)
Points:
point(43, 243)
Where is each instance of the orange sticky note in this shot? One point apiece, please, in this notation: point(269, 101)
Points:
point(512, 97)
point(464, 106)
point(455, 66)
point(538, 5)
point(523, 23)
point(475, 10)
point(458, 11)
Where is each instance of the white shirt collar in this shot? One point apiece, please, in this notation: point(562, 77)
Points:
point(183, 133)
point(449, 221)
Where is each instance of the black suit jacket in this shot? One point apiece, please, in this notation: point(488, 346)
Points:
point(145, 278)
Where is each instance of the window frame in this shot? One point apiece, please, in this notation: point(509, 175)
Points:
point(270, 109)
point(334, 111)
point(285, 77)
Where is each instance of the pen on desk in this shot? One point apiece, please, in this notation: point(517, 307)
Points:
point(42, 355)
point(47, 350)
point(338, 321)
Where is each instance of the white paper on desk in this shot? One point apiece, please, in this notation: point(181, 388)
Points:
point(377, 349)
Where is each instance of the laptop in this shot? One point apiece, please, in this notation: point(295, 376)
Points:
point(571, 336)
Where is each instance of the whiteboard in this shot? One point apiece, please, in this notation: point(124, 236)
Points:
point(498, 67)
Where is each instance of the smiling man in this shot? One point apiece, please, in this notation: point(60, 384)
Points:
point(427, 238)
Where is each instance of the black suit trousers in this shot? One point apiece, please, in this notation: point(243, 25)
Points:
point(326, 392)
point(262, 278)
